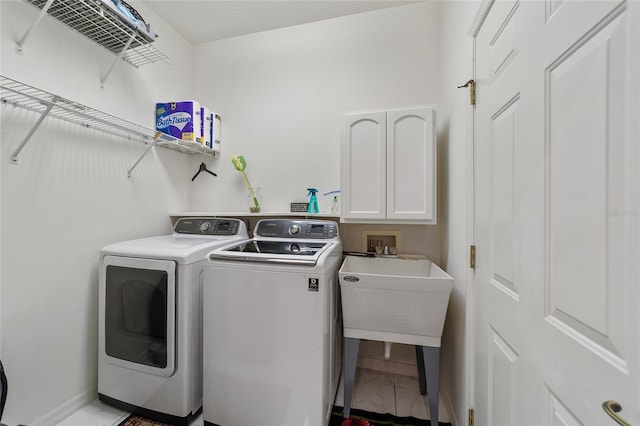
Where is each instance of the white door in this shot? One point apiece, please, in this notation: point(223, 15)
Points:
point(557, 213)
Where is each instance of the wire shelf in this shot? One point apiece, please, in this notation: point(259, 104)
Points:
point(104, 26)
point(24, 96)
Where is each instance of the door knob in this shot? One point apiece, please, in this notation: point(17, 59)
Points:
point(612, 408)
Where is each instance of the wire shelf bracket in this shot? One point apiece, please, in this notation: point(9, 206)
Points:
point(155, 141)
point(35, 23)
point(120, 55)
point(14, 156)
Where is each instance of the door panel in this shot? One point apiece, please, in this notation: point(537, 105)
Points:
point(558, 413)
point(584, 179)
point(411, 173)
point(503, 42)
point(591, 251)
point(503, 382)
point(503, 128)
point(364, 166)
point(556, 223)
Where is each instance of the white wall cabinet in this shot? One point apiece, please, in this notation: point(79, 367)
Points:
point(389, 166)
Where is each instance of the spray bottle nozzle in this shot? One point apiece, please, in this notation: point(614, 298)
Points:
point(312, 191)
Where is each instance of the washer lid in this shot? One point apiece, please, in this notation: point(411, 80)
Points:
point(274, 251)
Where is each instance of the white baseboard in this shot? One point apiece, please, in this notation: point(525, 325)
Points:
point(446, 402)
point(60, 413)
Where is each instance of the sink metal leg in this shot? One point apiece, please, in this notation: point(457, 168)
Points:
point(422, 379)
point(351, 346)
point(431, 364)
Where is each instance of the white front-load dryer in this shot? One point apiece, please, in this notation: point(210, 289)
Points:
point(150, 319)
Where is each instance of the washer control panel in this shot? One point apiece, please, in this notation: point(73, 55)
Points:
point(206, 226)
point(303, 229)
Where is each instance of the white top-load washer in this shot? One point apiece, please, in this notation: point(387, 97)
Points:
point(272, 330)
point(150, 318)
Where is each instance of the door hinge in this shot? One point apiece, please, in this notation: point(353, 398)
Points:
point(471, 412)
point(471, 84)
point(472, 257)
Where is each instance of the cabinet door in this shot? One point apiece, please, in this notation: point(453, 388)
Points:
point(364, 166)
point(411, 164)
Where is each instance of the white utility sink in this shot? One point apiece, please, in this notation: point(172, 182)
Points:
point(399, 300)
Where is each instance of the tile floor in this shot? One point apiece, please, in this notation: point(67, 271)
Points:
point(396, 394)
point(374, 391)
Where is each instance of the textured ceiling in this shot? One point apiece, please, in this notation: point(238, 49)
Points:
point(208, 20)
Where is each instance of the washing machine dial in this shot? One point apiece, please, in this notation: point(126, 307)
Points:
point(294, 248)
point(294, 229)
point(205, 226)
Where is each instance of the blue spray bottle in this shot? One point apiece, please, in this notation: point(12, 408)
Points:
point(313, 201)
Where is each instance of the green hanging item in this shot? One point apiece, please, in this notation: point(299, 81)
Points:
point(241, 164)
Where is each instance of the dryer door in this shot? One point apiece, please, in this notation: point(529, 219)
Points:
point(137, 314)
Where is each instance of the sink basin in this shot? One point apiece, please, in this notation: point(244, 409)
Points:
point(394, 299)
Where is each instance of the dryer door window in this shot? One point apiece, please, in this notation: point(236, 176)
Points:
point(139, 314)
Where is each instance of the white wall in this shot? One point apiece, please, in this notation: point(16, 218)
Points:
point(454, 136)
point(282, 94)
point(70, 196)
